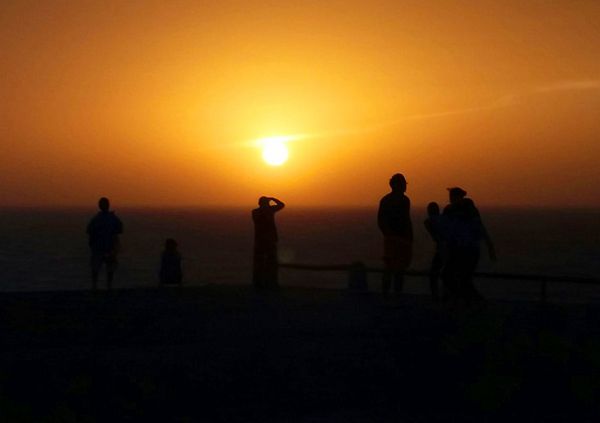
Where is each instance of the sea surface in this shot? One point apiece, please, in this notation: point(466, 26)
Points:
point(45, 249)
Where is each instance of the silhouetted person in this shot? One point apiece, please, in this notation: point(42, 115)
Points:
point(433, 226)
point(170, 264)
point(394, 222)
point(103, 232)
point(463, 232)
point(265, 243)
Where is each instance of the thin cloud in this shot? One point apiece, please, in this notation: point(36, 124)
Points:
point(502, 102)
point(582, 85)
point(505, 101)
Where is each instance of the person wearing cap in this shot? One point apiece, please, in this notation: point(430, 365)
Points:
point(265, 243)
point(393, 219)
point(462, 235)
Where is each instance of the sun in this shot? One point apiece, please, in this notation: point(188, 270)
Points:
point(274, 150)
point(275, 154)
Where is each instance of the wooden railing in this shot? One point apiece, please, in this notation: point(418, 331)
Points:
point(357, 272)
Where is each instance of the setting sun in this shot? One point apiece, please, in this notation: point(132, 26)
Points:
point(274, 151)
point(144, 99)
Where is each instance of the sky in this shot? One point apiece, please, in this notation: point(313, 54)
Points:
point(161, 103)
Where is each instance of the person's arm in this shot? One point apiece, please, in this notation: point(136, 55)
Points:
point(427, 224)
point(88, 228)
point(118, 225)
point(89, 231)
point(382, 218)
point(180, 270)
point(278, 204)
point(488, 242)
point(161, 270)
point(433, 230)
point(407, 221)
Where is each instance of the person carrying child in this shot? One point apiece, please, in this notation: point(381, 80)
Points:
point(463, 233)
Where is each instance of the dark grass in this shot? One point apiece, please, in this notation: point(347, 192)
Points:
point(227, 354)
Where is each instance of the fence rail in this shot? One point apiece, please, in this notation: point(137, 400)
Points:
point(357, 270)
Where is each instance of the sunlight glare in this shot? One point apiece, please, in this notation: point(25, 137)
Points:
point(274, 150)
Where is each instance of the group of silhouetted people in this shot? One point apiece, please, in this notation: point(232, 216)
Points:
point(103, 237)
point(457, 233)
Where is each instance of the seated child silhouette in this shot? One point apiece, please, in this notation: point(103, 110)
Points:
point(170, 264)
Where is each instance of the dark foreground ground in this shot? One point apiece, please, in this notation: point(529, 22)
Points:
point(226, 354)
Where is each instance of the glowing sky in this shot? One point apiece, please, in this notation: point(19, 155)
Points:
point(159, 103)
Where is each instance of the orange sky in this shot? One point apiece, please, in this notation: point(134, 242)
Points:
point(155, 103)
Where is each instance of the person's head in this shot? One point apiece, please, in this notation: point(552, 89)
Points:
point(103, 204)
point(263, 201)
point(433, 209)
point(456, 194)
point(398, 182)
point(170, 245)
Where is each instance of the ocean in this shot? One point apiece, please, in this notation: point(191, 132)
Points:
point(45, 249)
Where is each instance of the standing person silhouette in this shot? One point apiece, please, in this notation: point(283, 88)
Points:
point(103, 235)
point(265, 243)
point(393, 219)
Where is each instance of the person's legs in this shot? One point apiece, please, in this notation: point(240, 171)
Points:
point(111, 265)
point(258, 270)
point(471, 259)
point(402, 257)
point(94, 280)
point(398, 282)
point(95, 265)
point(467, 259)
point(434, 275)
point(386, 280)
point(396, 258)
point(389, 251)
point(265, 275)
point(272, 269)
point(450, 277)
